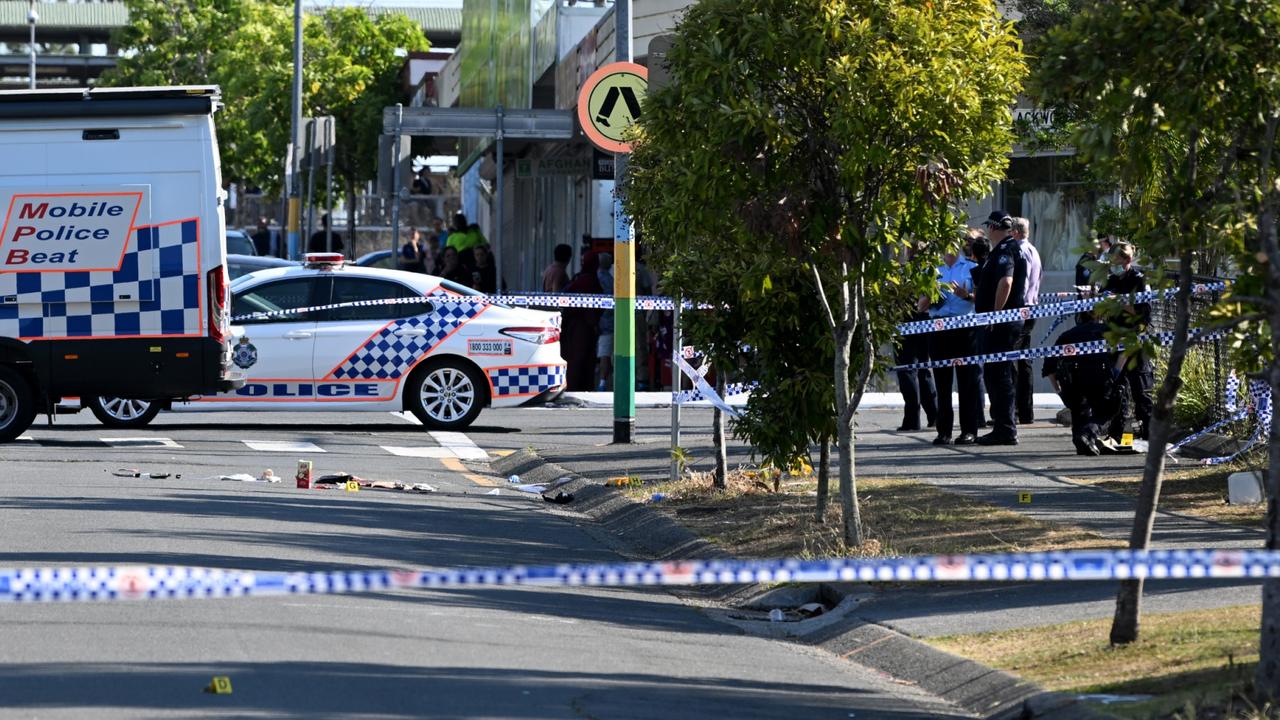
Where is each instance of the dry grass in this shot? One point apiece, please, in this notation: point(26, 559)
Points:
point(901, 517)
point(1197, 490)
point(1197, 664)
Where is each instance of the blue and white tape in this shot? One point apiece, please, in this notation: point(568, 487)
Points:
point(596, 302)
point(1032, 312)
point(105, 584)
point(732, 389)
point(1091, 347)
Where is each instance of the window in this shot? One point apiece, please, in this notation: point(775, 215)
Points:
point(269, 297)
point(353, 289)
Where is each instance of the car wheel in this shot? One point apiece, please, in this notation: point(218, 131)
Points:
point(447, 395)
point(123, 412)
point(17, 404)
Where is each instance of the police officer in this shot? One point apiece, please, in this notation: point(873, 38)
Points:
point(1134, 369)
point(1001, 286)
point(956, 299)
point(1084, 382)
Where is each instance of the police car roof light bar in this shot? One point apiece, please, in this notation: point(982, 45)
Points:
point(324, 260)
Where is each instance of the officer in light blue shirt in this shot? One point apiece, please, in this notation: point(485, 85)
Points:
point(956, 299)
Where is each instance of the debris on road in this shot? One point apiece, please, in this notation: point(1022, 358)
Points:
point(304, 474)
point(543, 488)
point(559, 497)
point(494, 491)
point(246, 477)
point(513, 479)
point(657, 497)
point(134, 473)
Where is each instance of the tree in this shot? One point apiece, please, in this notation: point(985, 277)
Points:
point(351, 68)
point(1166, 95)
point(833, 133)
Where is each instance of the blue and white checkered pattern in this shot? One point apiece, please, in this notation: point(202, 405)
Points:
point(156, 291)
point(386, 356)
point(517, 381)
point(164, 583)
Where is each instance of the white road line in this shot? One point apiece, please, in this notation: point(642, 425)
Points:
point(460, 445)
point(140, 442)
point(282, 446)
point(419, 452)
point(408, 416)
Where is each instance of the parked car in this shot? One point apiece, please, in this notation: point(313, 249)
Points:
point(240, 265)
point(239, 243)
point(403, 341)
point(384, 259)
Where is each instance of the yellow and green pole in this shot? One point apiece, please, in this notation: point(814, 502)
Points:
point(624, 270)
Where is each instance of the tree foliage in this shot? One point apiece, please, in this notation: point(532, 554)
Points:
point(1176, 101)
point(828, 135)
point(350, 70)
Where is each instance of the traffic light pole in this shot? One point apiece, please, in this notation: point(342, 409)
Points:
point(292, 178)
point(624, 272)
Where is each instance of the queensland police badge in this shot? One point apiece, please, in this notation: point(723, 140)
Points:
point(245, 354)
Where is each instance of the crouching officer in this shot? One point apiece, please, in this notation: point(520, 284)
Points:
point(1086, 386)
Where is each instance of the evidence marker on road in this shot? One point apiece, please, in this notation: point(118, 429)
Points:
point(1024, 498)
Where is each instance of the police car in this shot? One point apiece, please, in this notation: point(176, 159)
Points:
point(330, 336)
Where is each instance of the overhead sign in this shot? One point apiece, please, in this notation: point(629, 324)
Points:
point(529, 168)
point(609, 103)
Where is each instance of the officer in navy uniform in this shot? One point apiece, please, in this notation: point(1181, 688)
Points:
point(1001, 286)
point(1135, 373)
point(1084, 382)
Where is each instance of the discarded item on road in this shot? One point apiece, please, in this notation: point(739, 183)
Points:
point(135, 473)
point(269, 476)
point(544, 488)
point(421, 487)
point(812, 609)
point(513, 479)
point(127, 473)
point(304, 474)
point(657, 497)
point(246, 477)
point(559, 497)
point(775, 615)
point(340, 478)
point(494, 491)
point(627, 481)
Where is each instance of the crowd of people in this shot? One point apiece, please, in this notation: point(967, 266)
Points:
point(586, 339)
point(459, 254)
point(998, 268)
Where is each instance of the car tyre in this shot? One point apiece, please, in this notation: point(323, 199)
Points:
point(17, 404)
point(447, 395)
point(123, 412)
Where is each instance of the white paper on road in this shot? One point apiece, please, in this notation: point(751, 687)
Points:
point(140, 442)
point(407, 416)
point(460, 445)
point(282, 446)
point(419, 452)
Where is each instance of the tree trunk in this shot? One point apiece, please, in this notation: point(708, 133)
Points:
point(1124, 626)
point(717, 435)
point(1266, 681)
point(824, 479)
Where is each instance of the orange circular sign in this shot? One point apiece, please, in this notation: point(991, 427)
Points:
point(609, 103)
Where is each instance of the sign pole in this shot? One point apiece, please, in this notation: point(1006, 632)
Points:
point(624, 272)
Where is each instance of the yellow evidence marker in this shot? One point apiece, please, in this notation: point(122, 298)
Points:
point(221, 685)
point(353, 486)
point(1126, 440)
point(1024, 498)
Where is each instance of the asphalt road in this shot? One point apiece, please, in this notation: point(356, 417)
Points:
point(528, 653)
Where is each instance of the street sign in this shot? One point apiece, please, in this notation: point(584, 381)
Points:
point(610, 101)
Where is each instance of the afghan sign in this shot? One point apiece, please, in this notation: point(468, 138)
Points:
point(610, 102)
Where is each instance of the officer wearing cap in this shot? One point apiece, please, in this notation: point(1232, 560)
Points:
point(1001, 286)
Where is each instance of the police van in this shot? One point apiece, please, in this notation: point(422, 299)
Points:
point(112, 278)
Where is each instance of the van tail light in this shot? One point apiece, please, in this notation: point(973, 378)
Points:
point(219, 325)
point(535, 335)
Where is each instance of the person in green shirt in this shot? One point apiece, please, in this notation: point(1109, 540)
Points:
point(464, 238)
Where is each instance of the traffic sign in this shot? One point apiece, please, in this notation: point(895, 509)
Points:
point(610, 101)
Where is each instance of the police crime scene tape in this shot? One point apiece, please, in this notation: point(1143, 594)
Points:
point(1032, 312)
point(104, 584)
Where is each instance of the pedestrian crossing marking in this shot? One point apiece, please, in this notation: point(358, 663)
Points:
point(288, 446)
point(140, 442)
point(419, 452)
